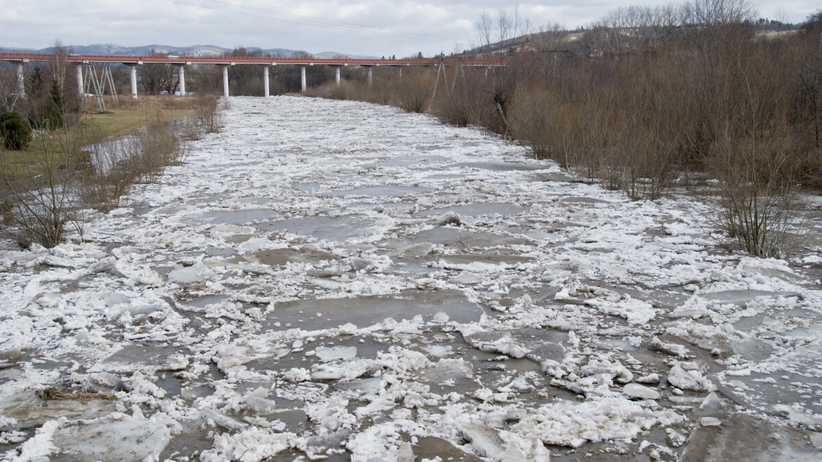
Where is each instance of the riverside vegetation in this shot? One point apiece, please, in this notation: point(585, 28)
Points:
point(652, 98)
point(50, 186)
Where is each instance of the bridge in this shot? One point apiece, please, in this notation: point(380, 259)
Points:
point(227, 61)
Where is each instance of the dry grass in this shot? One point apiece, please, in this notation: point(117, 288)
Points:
point(55, 394)
point(131, 115)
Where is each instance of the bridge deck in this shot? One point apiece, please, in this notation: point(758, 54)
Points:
point(231, 60)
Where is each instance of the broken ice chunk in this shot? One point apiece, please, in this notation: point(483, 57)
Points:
point(229, 356)
point(334, 353)
point(223, 420)
point(672, 349)
point(635, 390)
point(710, 422)
point(499, 342)
point(484, 439)
point(115, 438)
point(689, 380)
point(189, 274)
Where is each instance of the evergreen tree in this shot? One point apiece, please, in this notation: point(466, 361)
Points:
point(14, 130)
point(55, 105)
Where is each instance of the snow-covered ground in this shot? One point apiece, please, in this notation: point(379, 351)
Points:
point(330, 280)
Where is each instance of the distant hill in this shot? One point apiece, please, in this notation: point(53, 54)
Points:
point(194, 50)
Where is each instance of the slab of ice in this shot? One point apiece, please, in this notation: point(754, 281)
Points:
point(189, 274)
point(327, 354)
point(635, 390)
point(116, 438)
point(689, 379)
point(367, 311)
point(386, 190)
point(135, 357)
point(238, 217)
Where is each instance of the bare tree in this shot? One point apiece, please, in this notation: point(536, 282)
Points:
point(9, 90)
point(59, 64)
point(718, 12)
point(484, 27)
point(505, 24)
point(157, 77)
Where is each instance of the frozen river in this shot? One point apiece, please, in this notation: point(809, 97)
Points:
point(328, 280)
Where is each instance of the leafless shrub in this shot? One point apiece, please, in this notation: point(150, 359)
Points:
point(414, 90)
point(117, 163)
point(757, 201)
point(150, 150)
point(107, 177)
point(41, 191)
point(208, 113)
point(344, 91)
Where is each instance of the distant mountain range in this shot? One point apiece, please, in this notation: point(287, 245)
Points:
point(195, 50)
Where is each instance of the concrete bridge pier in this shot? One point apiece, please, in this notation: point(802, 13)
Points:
point(337, 75)
point(21, 81)
point(370, 77)
point(225, 81)
point(133, 72)
point(267, 90)
point(302, 78)
point(80, 81)
point(182, 78)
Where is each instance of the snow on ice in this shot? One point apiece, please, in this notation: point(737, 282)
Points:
point(333, 280)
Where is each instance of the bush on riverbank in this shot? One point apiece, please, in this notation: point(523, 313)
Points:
point(15, 131)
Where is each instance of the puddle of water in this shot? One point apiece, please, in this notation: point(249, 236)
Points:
point(478, 209)
point(280, 257)
point(366, 311)
point(385, 190)
point(336, 229)
point(237, 217)
point(413, 161)
point(739, 297)
point(561, 177)
point(486, 258)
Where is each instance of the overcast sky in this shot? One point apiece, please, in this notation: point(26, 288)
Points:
point(359, 27)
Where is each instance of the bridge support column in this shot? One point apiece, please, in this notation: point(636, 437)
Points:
point(80, 81)
point(370, 77)
point(267, 91)
point(337, 75)
point(302, 78)
point(133, 71)
point(21, 81)
point(225, 81)
point(182, 77)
